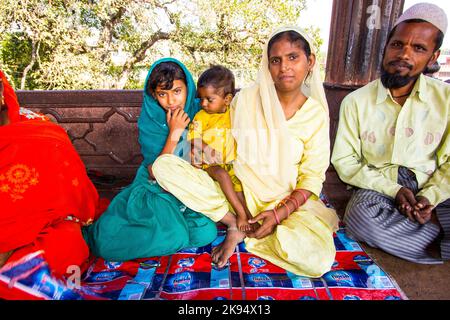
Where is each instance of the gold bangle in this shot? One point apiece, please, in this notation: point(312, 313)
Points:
point(283, 202)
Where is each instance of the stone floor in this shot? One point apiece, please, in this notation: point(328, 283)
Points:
point(418, 281)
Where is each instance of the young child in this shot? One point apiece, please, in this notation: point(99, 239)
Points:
point(211, 131)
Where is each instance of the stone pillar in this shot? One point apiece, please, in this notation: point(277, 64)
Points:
point(358, 34)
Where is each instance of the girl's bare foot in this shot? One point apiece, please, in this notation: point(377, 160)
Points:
point(224, 251)
point(4, 257)
point(214, 252)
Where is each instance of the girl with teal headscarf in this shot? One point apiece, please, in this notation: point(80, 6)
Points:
point(144, 220)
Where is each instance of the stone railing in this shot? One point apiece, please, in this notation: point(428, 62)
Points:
point(102, 125)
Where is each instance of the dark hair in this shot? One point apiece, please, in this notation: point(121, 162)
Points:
point(292, 37)
point(163, 75)
point(439, 40)
point(218, 77)
point(435, 67)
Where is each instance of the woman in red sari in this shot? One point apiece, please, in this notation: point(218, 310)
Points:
point(45, 193)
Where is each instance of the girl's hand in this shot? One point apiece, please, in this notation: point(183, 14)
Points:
point(177, 121)
point(150, 172)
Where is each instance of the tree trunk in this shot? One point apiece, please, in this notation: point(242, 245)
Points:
point(107, 35)
point(34, 49)
point(138, 56)
point(123, 79)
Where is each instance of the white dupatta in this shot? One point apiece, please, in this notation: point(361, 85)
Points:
point(264, 161)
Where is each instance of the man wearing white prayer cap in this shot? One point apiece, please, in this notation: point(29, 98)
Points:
point(393, 145)
point(427, 12)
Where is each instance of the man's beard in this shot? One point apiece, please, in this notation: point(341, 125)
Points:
point(395, 80)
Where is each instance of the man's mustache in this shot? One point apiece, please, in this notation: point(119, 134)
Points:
point(400, 63)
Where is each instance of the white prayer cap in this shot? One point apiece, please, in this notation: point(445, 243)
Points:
point(428, 12)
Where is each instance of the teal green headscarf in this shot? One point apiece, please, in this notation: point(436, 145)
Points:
point(152, 124)
point(143, 220)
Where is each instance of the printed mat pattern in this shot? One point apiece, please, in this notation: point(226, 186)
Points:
point(190, 275)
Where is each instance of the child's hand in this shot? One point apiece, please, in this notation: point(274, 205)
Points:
point(243, 225)
point(202, 153)
point(196, 155)
point(177, 121)
point(212, 156)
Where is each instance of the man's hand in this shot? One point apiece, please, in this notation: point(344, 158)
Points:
point(406, 201)
point(423, 210)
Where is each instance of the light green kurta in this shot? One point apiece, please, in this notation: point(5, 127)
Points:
point(376, 135)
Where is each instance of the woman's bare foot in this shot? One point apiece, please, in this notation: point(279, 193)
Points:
point(4, 257)
point(224, 251)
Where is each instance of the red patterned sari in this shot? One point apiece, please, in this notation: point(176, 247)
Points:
point(45, 193)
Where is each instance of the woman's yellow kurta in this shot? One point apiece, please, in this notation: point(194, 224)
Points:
point(303, 243)
point(274, 156)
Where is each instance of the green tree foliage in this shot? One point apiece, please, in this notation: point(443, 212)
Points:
point(15, 54)
point(102, 44)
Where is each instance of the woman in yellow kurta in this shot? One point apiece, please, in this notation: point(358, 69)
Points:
point(281, 128)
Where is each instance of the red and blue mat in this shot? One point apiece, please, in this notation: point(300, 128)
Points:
point(190, 275)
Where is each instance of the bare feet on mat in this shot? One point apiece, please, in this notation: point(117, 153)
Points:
point(4, 257)
point(214, 252)
point(224, 251)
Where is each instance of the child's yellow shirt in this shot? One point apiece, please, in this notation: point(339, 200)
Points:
point(215, 130)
